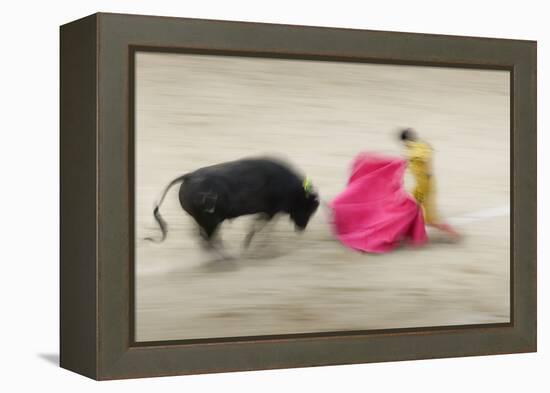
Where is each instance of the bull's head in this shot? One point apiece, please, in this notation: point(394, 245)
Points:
point(305, 205)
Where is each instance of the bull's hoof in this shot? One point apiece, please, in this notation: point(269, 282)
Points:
point(248, 240)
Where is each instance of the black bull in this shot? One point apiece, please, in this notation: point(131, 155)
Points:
point(249, 186)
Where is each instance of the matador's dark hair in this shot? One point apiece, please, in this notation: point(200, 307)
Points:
point(407, 134)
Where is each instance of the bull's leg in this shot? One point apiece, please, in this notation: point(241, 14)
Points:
point(259, 223)
point(208, 231)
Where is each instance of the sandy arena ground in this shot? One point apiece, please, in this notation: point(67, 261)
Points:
point(194, 111)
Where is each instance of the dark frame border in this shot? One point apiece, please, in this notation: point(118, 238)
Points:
point(104, 313)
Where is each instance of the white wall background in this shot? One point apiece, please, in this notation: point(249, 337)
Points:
point(29, 161)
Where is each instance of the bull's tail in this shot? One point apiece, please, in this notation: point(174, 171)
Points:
point(156, 212)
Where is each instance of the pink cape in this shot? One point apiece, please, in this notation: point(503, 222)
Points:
point(374, 213)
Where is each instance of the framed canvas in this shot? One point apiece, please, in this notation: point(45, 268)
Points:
point(245, 196)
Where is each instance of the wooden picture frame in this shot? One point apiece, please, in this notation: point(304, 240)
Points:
point(96, 270)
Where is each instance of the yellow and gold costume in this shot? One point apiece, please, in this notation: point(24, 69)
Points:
point(419, 156)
